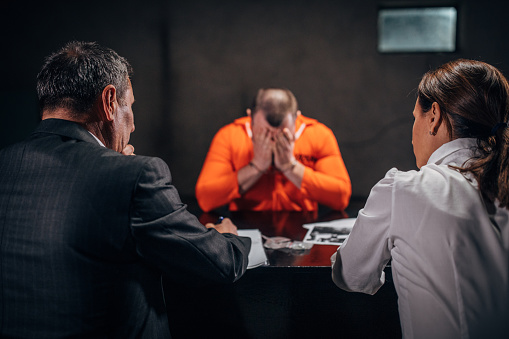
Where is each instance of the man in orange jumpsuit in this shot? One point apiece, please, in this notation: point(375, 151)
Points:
point(274, 159)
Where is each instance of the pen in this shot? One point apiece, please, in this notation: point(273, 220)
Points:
point(220, 219)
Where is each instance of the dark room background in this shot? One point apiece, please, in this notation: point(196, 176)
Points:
point(197, 65)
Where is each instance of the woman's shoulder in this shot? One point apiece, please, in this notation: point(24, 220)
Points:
point(436, 182)
point(430, 175)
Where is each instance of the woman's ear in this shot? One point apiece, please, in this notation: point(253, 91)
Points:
point(434, 118)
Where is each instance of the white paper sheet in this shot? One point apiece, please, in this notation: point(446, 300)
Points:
point(257, 256)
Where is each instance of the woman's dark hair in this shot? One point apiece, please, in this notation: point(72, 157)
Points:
point(474, 100)
point(75, 76)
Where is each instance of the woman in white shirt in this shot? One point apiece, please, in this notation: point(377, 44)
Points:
point(446, 226)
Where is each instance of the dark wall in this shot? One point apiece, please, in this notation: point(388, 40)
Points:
point(198, 64)
point(30, 32)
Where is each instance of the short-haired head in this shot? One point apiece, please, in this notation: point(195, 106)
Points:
point(74, 77)
point(275, 103)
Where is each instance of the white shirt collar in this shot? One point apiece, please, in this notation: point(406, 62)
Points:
point(454, 152)
point(99, 141)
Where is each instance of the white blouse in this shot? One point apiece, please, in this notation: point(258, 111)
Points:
point(450, 252)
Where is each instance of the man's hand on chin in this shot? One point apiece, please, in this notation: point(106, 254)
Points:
point(128, 150)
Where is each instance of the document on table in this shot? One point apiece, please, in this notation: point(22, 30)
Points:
point(257, 256)
point(329, 232)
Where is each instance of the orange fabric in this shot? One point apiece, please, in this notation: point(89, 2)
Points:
point(325, 180)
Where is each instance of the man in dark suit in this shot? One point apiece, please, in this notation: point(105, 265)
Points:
point(86, 232)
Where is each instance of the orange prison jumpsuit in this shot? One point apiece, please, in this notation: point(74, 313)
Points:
point(325, 180)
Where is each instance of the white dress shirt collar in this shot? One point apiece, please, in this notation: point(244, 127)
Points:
point(99, 141)
point(454, 152)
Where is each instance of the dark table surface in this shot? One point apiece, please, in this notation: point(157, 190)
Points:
point(292, 297)
point(288, 225)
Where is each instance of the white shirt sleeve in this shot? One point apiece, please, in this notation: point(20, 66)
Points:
point(358, 264)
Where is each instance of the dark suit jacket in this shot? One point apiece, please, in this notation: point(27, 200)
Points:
point(85, 235)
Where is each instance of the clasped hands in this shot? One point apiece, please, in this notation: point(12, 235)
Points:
point(273, 146)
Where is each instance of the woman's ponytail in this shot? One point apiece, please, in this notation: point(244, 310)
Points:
point(475, 99)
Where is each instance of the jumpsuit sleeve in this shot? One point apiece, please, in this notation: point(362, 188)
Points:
point(329, 183)
point(217, 184)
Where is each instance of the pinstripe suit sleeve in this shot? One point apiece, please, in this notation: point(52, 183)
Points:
point(172, 239)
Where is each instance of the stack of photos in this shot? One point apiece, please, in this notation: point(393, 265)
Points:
point(330, 232)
